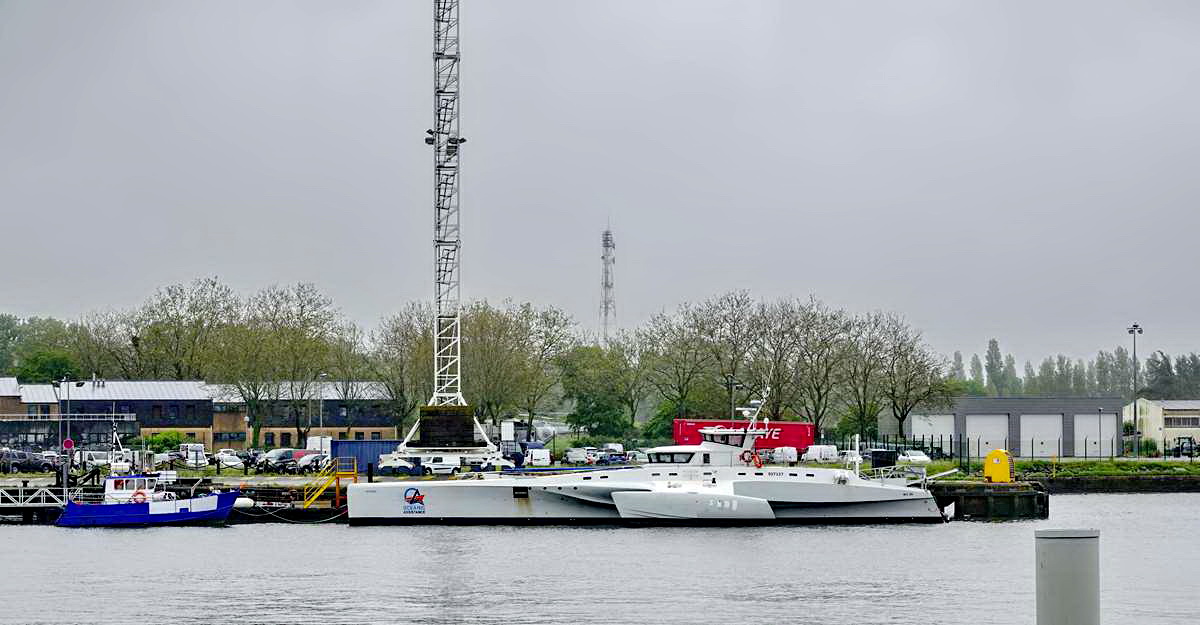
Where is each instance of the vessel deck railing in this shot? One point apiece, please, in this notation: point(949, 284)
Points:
point(31, 497)
point(909, 474)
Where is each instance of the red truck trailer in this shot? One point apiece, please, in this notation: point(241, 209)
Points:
point(782, 433)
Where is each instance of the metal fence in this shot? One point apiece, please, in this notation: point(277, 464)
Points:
point(966, 449)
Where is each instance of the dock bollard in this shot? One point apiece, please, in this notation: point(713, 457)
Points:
point(370, 472)
point(1068, 576)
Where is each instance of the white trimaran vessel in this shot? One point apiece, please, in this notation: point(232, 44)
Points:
point(719, 481)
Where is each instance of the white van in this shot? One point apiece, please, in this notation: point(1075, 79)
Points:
point(90, 459)
point(443, 465)
point(785, 455)
point(537, 457)
point(820, 453)
point(193, 455)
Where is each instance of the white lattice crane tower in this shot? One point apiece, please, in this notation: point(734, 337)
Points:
point(446, 142)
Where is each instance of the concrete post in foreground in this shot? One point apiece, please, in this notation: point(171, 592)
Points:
point(1068, 576)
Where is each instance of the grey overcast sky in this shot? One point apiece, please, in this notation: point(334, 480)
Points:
point(1022, 170)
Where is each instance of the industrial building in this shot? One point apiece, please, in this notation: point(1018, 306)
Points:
point(40, 415)
point(1165, 420)
point(1026, 426)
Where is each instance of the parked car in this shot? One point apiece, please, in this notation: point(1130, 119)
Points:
point(637, 455)
point(849, 455)
point(228, 459)
point(913, 456)
point(311, 463)
point(15, 461)
point(611, 458)
point(276, 460)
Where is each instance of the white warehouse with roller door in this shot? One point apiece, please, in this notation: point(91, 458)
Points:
point(1041, 435)
point(1030, 427)
point(1097, 435)
point(985, 432)
point(935, 430)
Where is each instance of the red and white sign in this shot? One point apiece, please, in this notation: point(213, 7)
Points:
point(68, 444)
point(781, 434)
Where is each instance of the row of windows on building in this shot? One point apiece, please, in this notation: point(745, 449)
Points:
point(40, 440)
point(285, 438)
point(284, 410)
point(1181, 422)
point(156, 410)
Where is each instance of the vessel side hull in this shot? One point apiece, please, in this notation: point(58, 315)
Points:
point(180, 512)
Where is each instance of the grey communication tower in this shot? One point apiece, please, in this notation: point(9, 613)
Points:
point(446, 142)
point(608, 303)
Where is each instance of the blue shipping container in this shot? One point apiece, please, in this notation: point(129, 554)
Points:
point(364, 451)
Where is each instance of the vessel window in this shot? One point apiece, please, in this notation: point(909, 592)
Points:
point(736, 439)
point(809, 475)
point(656, 474)
point(741, 472)
point(707, 437)
point(758, 472)
point(794, 475)
point(672, 474)
point(118, 484)
point(708, 472)
point(141, 485)
point(520, 492)
point(588, 477)
point(707, 460)
point(604, 477)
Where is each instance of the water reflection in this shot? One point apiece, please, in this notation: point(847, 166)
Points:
point(972, 573)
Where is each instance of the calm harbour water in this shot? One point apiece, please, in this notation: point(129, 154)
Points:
point(960, 572)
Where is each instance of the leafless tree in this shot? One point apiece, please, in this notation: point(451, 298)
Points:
point(729, 328)
point(631, 358)
point(680, 356)
point(863, 368)
point(775, 350)
point(348, 369)
point(548, 335)
point(300, 321)
point(402, 359)
point(247, 365)
point(913, 374)
point(819, 369)
point(493, 352)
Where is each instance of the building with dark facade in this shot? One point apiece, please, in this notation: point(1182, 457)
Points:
point(40, 415)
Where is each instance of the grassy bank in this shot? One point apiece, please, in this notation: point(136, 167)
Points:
point(1042, 469)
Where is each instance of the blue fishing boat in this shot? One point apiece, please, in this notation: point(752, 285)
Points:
point(142, 501)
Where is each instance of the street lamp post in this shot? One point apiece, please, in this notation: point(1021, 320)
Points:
point(1100, 433)
point(731, 383)
point(321, 406)
point(1134, 330)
